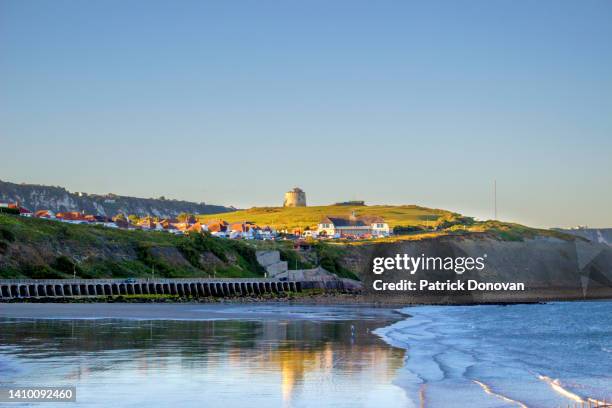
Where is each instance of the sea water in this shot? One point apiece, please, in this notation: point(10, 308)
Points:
point(176, 356)
point(538, 355)
point(531, 355)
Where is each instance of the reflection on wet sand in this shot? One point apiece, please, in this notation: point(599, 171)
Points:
point(303, 360)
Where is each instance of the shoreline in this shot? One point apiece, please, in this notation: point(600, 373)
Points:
point(322, 299)
point(200, 311)
point(442, 342)
point(396, 328)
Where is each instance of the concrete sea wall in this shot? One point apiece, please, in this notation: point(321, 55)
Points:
point(68, 288)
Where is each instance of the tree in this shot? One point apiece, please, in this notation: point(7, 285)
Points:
point(451, 219)
point(119, 217)
point(186, 217)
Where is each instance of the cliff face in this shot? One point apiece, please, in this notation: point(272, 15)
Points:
point(37, 197)
point(550, 268)
point(600, 235)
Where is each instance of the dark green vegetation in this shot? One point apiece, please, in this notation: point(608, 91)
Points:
point(294, 260)
point(6, 210)
point(330, 257)
point(316, 253)
point(507, 231)
point(38, 248)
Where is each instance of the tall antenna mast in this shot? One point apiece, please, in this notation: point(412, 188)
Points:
point(495, 199)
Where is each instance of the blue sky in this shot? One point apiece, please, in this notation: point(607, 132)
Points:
point(390, 101)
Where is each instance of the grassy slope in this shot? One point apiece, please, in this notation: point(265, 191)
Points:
point(492, 229)
point(448, 223)
point(302, 217)
point(55, 249)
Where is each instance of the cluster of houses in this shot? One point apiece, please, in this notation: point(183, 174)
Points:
point(24, 212)
point(218, 228)
point(330, 227)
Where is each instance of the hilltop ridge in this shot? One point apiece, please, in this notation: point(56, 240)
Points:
point(289, 218)
point(57, 199)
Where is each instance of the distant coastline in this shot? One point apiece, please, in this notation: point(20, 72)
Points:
point(37, 197)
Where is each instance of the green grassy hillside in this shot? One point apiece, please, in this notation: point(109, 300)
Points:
point(302, 217)
point(40, 248)
point(410, 222)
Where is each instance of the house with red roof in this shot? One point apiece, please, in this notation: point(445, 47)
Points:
point(45, 214)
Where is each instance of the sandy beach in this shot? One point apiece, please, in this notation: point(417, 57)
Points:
point(190, 355)
point(195, 311)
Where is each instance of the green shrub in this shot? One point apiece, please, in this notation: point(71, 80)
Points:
point(7, 235)
point(42, 272)
point(328, 264)
point(64, 264)
point(115, 269)
point(248, 256)
point(11, 211)
point(192, 246)
point(143, 251)
point(329, 259)
point(294, 261)
point(63, 232)
point(405, 230)
point(449, 220)
point(10, 272)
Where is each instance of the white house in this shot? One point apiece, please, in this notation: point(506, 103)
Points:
point(353, 226)
point(310, 234)
point(244, 230)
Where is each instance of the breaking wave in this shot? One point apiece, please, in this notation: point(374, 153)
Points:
point(556, 385)
point(488, 390)
point(521, 355)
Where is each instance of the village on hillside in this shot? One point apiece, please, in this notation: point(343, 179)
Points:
point(347, 226)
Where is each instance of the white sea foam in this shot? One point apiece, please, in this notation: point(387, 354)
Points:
point(454, 353)
point(488, 390)
point(555, 384)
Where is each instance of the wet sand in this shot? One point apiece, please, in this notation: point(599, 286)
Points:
point(194, 355)
point(195, 311)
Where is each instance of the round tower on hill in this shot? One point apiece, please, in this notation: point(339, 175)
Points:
point(295, 198)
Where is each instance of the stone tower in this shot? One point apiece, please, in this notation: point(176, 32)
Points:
point(295, 198)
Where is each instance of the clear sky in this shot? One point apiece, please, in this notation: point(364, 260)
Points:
point(235, 102)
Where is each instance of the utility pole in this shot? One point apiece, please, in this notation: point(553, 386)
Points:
point(153, 272)
point(495, 199)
